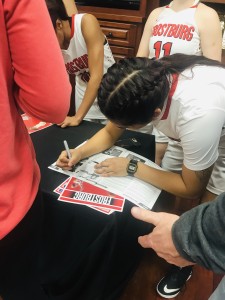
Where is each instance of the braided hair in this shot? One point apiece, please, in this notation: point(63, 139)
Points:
point(133, 88)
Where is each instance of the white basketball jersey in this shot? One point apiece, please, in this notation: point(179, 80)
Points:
point(76, 61)
point(175, 32)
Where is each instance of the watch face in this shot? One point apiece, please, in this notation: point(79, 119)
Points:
point(132, 167)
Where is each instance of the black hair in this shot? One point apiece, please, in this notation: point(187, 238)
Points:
point(57, 10)
point(133, 88)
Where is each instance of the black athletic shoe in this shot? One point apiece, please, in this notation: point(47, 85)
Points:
point(171, 285)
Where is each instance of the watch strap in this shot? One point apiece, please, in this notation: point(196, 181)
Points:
point(132, 167)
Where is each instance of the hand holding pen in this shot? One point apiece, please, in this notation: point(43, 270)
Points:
point(68, 154)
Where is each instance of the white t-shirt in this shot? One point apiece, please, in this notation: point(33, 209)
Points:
point(76, 61)
point(195, 115)
point(175, 32)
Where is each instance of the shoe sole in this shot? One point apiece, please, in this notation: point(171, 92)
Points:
point(170, 296)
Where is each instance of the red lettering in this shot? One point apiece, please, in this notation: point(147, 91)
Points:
point(183, 32)
point(85, 60)
point(189, 36)
point(167, 26)
point(160, 30)
point(180, 31)
point(78, 62)
point(85, 76)
point(155, 30)
point(172, 31)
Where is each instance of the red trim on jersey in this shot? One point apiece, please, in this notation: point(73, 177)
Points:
point(72, 26)
point(194, 6)
point(171, 92)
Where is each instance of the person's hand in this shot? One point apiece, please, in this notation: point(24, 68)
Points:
point(70, 121)
point(112, 167)
point(65, 163)
point(160, 240)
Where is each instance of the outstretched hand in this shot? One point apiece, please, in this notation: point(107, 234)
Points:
point(160, 239)
point(116, 166)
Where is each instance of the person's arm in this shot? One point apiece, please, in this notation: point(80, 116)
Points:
point(199, 235)
point(196, 237)
point(210, 32)
point(188, 184)
point(70, 6)
point(42, 87)
point(94, 39)
point(200, 153)
point(102, 140)
point(143, 50)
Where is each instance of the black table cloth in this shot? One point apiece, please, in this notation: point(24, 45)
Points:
point(88, 255)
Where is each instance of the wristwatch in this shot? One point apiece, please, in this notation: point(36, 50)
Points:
point(132, 167)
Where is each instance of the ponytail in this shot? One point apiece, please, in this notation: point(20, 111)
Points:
point(133, 88)
point(177, 63)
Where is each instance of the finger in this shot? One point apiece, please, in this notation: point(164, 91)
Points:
point(145, 241)
point(97, 166)
point(102, 170)
point(108, 174)
point(103, 164)
point(63, 156)
point(145, 215)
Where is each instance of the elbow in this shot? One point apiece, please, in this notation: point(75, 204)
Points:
point(59, 101)
point(51, 107)
point(193, 195)
point(59, 108)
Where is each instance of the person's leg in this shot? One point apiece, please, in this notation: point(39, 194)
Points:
point(216, 184)
point(173, 282)
point(19, 258)
point(219, 292)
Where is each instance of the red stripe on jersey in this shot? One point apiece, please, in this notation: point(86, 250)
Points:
point(72, 26)
point(194, 6)
point(171, 93)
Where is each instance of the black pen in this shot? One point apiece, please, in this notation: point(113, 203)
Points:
point(68, 154)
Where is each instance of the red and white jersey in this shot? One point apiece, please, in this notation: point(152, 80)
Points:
point(175, 32)
point(194, 114)
point(76, 61)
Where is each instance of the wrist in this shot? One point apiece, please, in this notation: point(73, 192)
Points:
point(132, 167)
point(78, 118)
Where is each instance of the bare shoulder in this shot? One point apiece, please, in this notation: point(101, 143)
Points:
point(89, 18)
point(91, 30)
point(206, 12)
point(156, 12)
point(152, 18)
point(90, 24)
